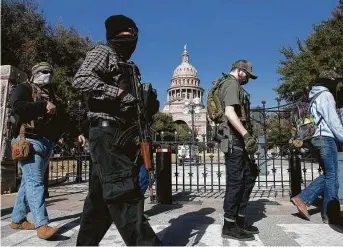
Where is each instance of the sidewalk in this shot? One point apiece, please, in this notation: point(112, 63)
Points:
point(191, 220)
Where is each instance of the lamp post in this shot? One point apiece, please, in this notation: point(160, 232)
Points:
point(78, 113)
point(192, 106)
point(162, 135)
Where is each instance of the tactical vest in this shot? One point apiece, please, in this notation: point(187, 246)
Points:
point(39, 95)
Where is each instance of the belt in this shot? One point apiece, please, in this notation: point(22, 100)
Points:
point(104, 123)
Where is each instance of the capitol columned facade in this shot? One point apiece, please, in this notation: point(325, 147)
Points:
point(185, 86)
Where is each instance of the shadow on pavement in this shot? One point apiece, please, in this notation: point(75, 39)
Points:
point(256, 210)
point(78, 215)
point(187, 226)
point(336, 215)
point(161, 208)
point(52, 201)
point(64, 229)
point(6, 211)
point(65, 194)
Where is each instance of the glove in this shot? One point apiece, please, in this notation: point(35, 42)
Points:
point(251, 144)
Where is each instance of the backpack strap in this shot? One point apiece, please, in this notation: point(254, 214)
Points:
point(35, 97)
point(312, 101)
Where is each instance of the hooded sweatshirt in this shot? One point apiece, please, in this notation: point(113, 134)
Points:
point(325, 106)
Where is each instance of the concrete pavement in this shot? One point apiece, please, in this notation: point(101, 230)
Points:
point(193, 219)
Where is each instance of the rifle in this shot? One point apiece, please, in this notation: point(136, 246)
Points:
point(141, 92)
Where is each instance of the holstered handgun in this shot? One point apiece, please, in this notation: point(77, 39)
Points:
point(222, 135)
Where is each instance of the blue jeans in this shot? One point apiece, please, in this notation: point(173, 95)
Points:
point(143, 179)
point(327, 182)
point(30, 196)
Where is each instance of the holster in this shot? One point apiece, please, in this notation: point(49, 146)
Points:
point(223, 136)
point(21, 148)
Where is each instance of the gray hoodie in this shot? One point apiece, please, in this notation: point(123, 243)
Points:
point(325, 106)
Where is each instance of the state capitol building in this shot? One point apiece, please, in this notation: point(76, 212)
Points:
point(185, 86)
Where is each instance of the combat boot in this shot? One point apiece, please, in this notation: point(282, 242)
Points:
point(240, 221)
point(232, 231)
point(46, 232)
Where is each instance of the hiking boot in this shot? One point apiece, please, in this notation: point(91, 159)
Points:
point(232, 231)
point(240, 221)
point(24, 225)
point(46, 232)
point(302, 208)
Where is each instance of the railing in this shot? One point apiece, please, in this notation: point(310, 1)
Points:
point(204, 172)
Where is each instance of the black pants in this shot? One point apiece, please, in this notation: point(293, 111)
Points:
point(241, 174)
point(114, 195)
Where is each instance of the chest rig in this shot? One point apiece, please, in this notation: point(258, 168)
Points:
point(39, 94)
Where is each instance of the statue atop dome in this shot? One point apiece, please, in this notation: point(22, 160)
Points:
point(185, 56)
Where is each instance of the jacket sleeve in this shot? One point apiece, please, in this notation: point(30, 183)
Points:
point(23, 105)
point(327, 109)
point(90, 76)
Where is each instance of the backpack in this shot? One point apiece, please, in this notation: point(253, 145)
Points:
point(215, 110)
point(305, 123)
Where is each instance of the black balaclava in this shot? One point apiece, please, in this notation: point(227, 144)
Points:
point(123, 45)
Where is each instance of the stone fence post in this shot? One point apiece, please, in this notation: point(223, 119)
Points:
point(10, 76)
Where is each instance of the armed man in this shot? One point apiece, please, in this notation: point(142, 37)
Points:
point(38, 124)
point(237, 144)
point(118, 126)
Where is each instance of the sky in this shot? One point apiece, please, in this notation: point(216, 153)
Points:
point(217, 33)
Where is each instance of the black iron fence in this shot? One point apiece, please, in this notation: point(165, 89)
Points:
point(203, 168)
point(201, 171)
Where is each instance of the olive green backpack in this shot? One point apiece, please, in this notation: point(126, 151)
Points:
point(215, 109)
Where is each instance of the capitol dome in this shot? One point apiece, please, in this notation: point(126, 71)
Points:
point(184, 94)
point(185, 69)
point(185, 83)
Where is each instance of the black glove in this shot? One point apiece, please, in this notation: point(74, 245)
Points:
point(251, 144)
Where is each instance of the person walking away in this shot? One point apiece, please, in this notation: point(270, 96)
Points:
point(329, 129)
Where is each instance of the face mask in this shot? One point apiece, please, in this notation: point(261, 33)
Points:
point(243, 79)
point(124, 46)
point(42, 79)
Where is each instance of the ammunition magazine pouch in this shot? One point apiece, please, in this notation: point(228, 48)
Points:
point(129, 137)
point(126, 138)
point(21, 148)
